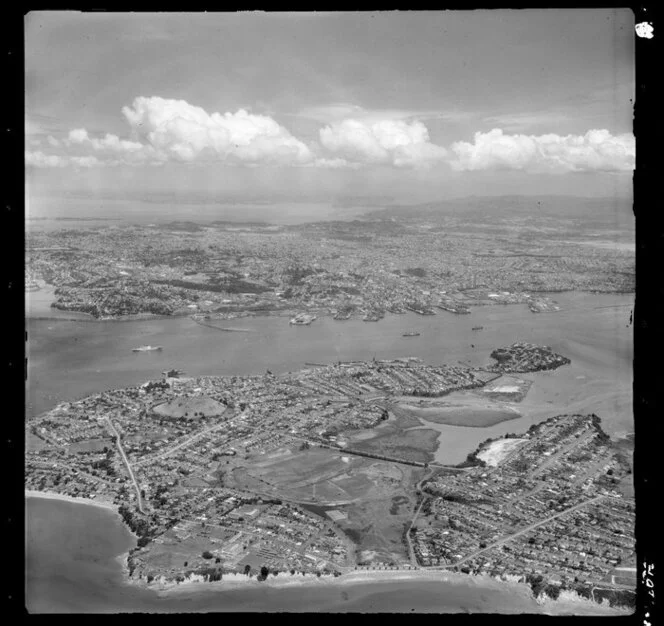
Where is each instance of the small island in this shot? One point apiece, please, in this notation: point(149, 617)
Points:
point(526, 357)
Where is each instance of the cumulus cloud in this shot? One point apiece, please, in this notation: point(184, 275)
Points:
point(334, 164)
point(78, 135)
point(597, 150)
point(39, 159)
point(114, 150)
point(86, 161)
point(186, 132)
point(393, 142)
point(173, 130)
point(163, 130)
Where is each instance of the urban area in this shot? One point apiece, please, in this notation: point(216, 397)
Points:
point(328, 470)
point(389, 262)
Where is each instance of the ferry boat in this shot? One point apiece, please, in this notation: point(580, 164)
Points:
point(412, 334)
point(147, 348)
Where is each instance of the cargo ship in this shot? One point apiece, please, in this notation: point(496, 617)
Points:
point(147, 348)
point(412, 334)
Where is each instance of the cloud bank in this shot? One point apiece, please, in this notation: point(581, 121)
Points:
point(597, 150)
point(184, 132)
point(393, 142)
point(164, 130)
point(39, 159)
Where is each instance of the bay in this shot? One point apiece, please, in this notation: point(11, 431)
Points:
point(52, 213)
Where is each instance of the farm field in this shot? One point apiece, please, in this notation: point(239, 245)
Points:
point(377, 523)
point(376, 497)
point(318, 476)
point(418, 444)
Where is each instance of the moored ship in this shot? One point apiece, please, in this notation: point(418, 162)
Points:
point(411, 334)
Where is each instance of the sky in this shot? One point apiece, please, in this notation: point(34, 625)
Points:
point(411, 105)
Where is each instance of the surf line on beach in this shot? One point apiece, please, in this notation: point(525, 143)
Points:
point(235, 580)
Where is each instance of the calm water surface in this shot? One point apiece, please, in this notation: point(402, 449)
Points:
point(80, 212)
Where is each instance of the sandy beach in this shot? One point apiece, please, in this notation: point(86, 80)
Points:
point(49, 495)
point(568, 604)
point(235, 581)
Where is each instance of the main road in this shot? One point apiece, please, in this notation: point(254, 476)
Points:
point(126, 462)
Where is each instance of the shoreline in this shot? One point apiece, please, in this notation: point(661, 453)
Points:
point(235, 581)
point(570, 604)
point(321, 311)
point(51, 495)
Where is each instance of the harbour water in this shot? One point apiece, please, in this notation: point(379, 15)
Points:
point(52, 213)
point(72, 359)
point(73, 550)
